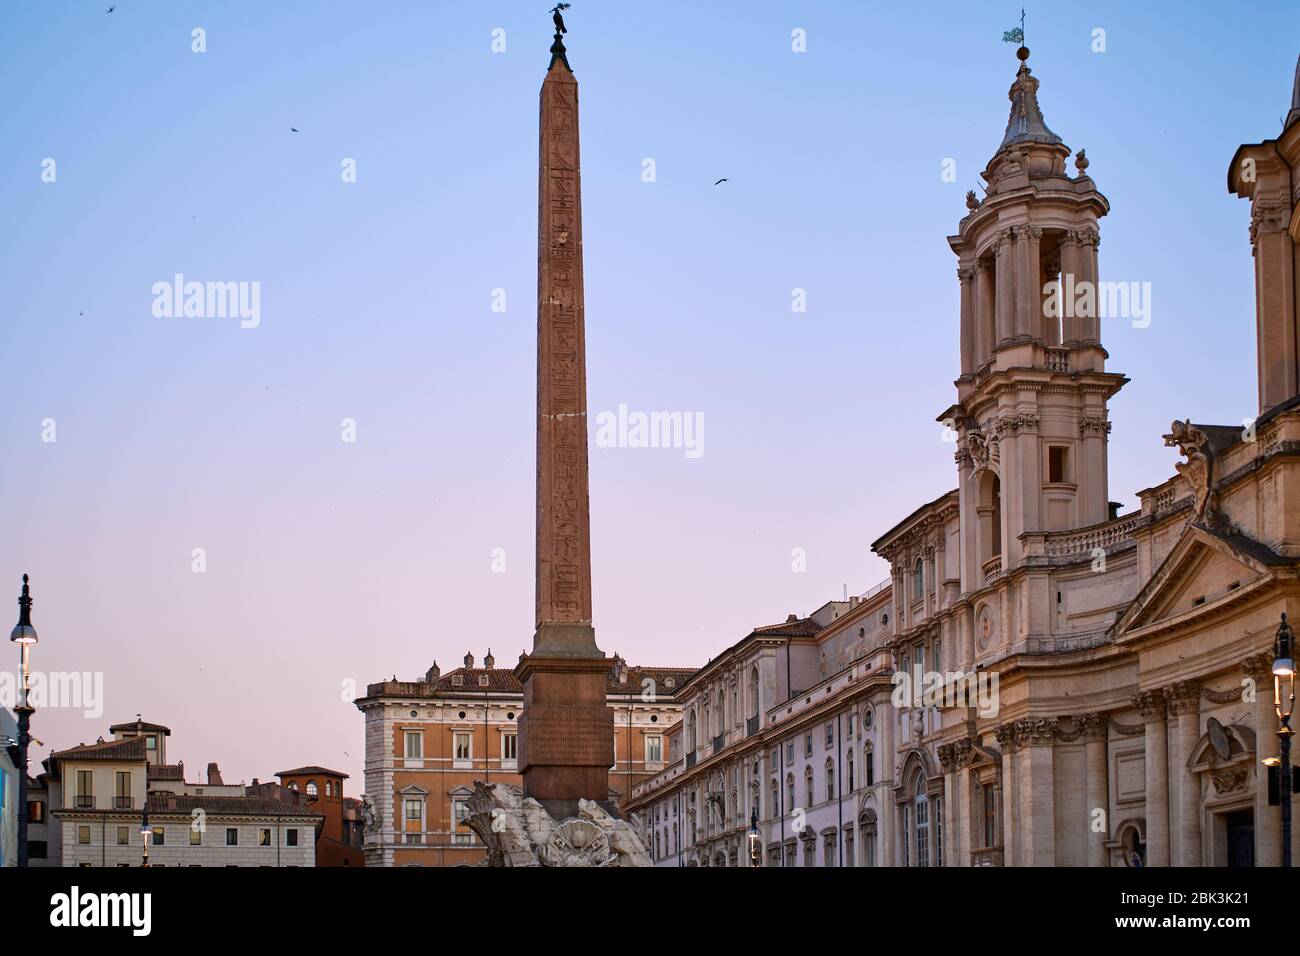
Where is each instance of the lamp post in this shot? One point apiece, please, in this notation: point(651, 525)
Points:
point(24, 635)
point(1284, 668)
point(146, 832)
point(755, 852)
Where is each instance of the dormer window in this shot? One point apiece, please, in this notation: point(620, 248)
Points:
point(457, 680)
point(482, 680)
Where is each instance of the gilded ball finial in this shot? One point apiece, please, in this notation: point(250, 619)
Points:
point(1022, 54)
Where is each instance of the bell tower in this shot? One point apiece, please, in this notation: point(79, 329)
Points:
point(1031, 415)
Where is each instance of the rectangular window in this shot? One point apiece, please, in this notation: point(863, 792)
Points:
point(264, 836)
point(123, 836)
point(83, 835)
point(196, 836)
point(461, 833)
point(938, 647)
point(414, 745)
point(36, 811)
point(871, 768)
point(510, 747)
point(654, 750)
point(830, 735)
point(291, 836)
point(990, 799)
point(461, 747)
point(159, 836)
point(85, 790)
point(1057, 458)
point(789, 752)
point(232, 836)
point(122, 790)
point(414, 808)
point(807, 745)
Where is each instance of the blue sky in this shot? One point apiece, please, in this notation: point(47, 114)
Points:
point(330, 562)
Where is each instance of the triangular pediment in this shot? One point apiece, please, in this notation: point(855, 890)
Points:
point(1203, 570)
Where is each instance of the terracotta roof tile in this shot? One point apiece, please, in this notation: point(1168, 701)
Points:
point(223, 806)
point(308, 771)
point(130, 749)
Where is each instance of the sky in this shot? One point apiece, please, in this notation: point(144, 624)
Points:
point(197, 528)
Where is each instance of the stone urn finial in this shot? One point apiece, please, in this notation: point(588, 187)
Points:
point(972, 201)
point(1081, 161)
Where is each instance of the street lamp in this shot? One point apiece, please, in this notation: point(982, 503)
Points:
point(24, 635)
point(146, 832)
point(1284, 668)
point(755, 851)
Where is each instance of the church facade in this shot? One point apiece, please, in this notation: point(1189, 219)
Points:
point(1041, 681)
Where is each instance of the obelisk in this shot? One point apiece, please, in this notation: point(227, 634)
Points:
point(566, 729)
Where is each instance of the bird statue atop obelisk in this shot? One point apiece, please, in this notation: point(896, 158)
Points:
point(566, 729)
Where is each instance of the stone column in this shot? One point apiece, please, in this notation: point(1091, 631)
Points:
point(1275, 302)
point(986, 311)
point(1090, 326)
point(1051, 325)
point(1006, 288)
point(1152, 706)
point(1071, 274)
point(969, 320)
point(887, 816)
point(1037, 811)
point(1006, 736)
point(1024, 284)
point(1268, 820)
point(1185, 704)
point(1098, 790)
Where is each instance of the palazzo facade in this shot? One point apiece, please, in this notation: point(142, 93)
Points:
point(1102, 685)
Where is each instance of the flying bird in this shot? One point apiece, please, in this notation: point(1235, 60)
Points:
point(292, 130)
point(112, 8)
point(556, 12)
point(724, 179)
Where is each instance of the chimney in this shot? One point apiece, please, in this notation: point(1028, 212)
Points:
point(214, 775)
point(469, 660)
point(433, 673)
point(255, 781)
point(792, 618)
point(489, 661)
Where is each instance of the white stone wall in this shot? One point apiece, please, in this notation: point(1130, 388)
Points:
point(177, 850)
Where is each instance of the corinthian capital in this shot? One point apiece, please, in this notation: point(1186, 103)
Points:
point(1151, 704)
point(1184, 697)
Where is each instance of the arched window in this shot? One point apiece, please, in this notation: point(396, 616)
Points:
point(776, 796)
point(692, 732)
point(789, 792)
point(753, 692)
point(989, 511)
point(808, 787)
point(850, 768)
point(918, 580)
point(329, 788)
point(311, 788)
point(867, 826)
point(830, 779)
point(920, 804)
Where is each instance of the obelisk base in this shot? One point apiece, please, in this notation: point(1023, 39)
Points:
point(566, 729)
